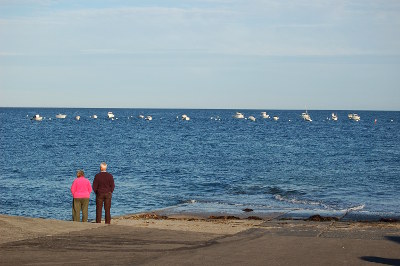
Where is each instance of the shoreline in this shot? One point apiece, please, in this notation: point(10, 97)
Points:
point(254, 213)
point(15, 228)
point(206, 222)
point(186, 210)
point(231, 224)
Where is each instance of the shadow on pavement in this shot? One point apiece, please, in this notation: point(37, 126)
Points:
point(394, 239)
point(381, 260)
point(384, 260)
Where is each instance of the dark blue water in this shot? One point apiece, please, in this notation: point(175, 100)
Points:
point(282, 165)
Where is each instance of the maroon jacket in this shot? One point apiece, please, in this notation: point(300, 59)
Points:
point(103, 183)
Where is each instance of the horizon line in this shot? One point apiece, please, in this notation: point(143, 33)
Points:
point(189, 108)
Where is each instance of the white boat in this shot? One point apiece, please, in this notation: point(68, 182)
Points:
point(265, 115)
point(94, 116)
point(238, 115)
point(141, 116)
point(77, 118)
point(252, 118)
point(61, 116)
point(149, 118)
point(276, 118)
point(185, 117)
point(306, 117)
point(355, 117)
point(37, 118)
point(334, 117)
point(110, 115)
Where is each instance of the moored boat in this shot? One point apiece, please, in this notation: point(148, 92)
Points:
point(61, 116)
point(265, 115)
point(354, 117)
point(110, 115)
point(185, 117)
point(37, 118)
point(306, 117)
point(252, 118)
point(238, 115)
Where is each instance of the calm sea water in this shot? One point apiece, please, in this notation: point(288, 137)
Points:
point(223, 163)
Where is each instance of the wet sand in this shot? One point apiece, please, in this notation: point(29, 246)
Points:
point(154, 239)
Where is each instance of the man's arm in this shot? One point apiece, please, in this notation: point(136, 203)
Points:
point(95, 185)
point(112, 184)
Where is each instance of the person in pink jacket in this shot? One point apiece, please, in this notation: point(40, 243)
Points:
point(80, 190)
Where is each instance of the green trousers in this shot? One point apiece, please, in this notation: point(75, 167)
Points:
point(77, 206)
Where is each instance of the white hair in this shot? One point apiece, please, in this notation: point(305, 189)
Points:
point(103, 165)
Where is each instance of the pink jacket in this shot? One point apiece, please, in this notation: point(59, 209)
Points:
point(81, 188)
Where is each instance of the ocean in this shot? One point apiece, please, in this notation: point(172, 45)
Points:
point(211, 163)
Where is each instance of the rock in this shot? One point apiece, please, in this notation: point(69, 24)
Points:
point(254, 218)
point(319, 218)
point(389, 220)
point(151, 216)
point(223, 217)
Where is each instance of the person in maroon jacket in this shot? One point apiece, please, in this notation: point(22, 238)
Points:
point(103, 186)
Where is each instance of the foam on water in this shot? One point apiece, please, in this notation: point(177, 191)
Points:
point(355, 208)
point(301, 202)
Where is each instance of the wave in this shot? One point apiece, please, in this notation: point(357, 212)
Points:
point(355, 208)
point(284, 192)
point(193, 201)
point(318, 203)
point(227, 204)
point(260, 190)
point(301, 202)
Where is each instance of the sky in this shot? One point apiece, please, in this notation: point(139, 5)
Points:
point(211, 54)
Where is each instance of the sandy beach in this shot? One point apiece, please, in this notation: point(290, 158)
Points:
point(153, 239)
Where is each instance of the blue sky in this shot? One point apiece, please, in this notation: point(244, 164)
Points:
point(270, 54)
